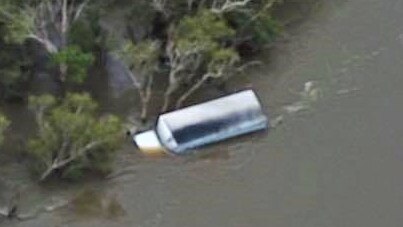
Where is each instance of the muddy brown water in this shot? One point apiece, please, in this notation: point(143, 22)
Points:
point(339, 163)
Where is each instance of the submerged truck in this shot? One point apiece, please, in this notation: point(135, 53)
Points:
point(181, 131)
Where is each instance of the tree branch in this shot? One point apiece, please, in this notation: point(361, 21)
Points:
point(194, 88)
point(80, 9)
point(243, 67)
point(160, 6)
point(62, 163)
point(49, 46)
point(228, 5)
point(134, 80)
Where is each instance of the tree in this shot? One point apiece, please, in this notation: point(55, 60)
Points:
point(13, 71)
point(4, 123)
point(142, 59)
point(77, 62)
point(71, 138)
point(48, 22)
point(222, 65)
point(189, 46)
point(255, 24)
point(13, 60)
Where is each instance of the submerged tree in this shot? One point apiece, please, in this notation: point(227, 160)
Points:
point(71, 137)
point(190, 45)
point(142, 59)
point(255, 23)
point(77, 62)
point(13, 71)
point(48, 22)
point(221, 65)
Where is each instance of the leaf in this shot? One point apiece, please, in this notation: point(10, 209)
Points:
point(76, 61)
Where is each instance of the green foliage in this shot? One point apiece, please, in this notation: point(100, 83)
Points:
point(19, 21)
point(87, 33)
point(256, 24)
point(143, 60)
point(84, 35)
point(77, 62)
point(20, 27)
point(204, 31)
point(144, 53)
point(266, 29)
point(4, 123)
point(221, 60)
point(71, 138)
point(206, 35)
point(39, 104)
point(197, 52)
point(143, 56)
point(11, 80)
point(262, 29)
point(13, 60)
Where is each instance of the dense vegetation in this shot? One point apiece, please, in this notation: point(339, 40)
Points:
point(71, 138)
point(180, 45)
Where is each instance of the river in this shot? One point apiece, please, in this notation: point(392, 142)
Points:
point(338, 162)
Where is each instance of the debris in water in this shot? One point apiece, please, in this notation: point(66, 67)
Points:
point(276, 121)
point(13, 213)
point(296, 107)
point(4, 211)
point(346, 91)
point(56, 206)
point(310, 94)
point(180, 131)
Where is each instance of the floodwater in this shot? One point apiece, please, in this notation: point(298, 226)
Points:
point(337, 162)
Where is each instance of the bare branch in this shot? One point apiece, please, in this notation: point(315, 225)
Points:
point(160, 6)
point(190, 4)
point(80, 9)
point(263, 10)
point(228, 5)
point(243, 67)
point(55, 15)
point(74, 155)
point(134, 80)
point(193, 89)
point(49, 46)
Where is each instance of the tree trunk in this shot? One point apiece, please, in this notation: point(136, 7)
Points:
point(187, 94)
point(47, 173)
point(167, 97)
point(59, 164)
point(63, 72)
point(62, 79)
point(145, 96)
point(144, 108)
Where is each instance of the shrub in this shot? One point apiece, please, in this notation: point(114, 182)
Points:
point(71, 137)
point(76, 61)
